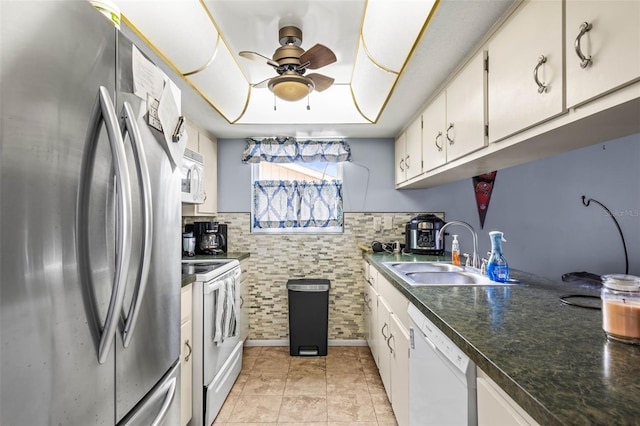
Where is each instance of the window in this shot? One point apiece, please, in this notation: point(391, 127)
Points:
point(296, 186)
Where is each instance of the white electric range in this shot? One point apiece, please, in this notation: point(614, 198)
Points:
point(217, 347)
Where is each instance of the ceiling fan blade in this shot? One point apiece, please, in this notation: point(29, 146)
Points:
point(263, 84)
point(258, 57)
point(322, 82)
point(318, 56)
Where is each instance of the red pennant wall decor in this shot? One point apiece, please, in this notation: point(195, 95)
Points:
point(482, 186)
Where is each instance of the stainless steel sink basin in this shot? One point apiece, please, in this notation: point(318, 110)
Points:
point(437, 274)
point(408, 267)
point(447, 278)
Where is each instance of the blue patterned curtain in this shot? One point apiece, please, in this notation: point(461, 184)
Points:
point(290, 150)
point(297, 204)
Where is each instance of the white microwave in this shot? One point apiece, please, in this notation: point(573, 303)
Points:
point(192, 179)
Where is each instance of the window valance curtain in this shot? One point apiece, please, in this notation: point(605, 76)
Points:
point(297, 204)
point(289, 150)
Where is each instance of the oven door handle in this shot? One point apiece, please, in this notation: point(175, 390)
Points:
point(213, 286)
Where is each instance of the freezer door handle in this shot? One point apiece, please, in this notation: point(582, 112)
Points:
point(170, 389)
point(128, 125)
point(104, 111)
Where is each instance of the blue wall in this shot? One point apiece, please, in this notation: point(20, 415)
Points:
point(538, 205)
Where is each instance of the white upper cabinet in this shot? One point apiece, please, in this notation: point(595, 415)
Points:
point(400, 150)
point(208, 147)
point(408, 152)
point(413, 153)
point(466, 109)
point(526, 69)
point(434, 120)
point(602, 47)
point(454, 123)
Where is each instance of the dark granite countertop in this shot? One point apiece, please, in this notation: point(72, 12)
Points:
point(552, 359)
point(189, 278)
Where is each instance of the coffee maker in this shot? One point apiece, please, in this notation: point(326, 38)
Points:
point(211, 237)
point(421, 235)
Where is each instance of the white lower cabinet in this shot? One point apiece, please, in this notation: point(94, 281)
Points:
point(371, 318)
point(496, 408)
point(384, 354)
point(244, 299)
point(186, 355)
point(386, 318)
point(399, 346)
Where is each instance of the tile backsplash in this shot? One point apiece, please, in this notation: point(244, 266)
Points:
point(278, 258)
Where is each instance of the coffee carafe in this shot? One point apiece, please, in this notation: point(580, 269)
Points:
point(210, 237)
point(212, 241)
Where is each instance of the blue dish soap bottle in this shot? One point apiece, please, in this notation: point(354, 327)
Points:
point(497, 268)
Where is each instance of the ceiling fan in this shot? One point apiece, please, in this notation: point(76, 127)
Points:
point(291, 62)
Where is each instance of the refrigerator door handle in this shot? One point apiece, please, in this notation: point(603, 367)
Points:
point(128, 125)
point(103, 110)
point(170, 389)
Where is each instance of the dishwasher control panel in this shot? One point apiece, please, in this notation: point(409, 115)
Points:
point(438, 340)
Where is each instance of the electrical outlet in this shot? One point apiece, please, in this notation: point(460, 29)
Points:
point(387, 223)
point(377, 224)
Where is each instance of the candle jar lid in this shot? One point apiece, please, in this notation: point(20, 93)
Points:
point(621, 282)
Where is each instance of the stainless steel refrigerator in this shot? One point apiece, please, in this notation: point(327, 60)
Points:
point(90, 215)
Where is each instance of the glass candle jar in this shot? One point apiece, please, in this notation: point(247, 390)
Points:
point(621, 308)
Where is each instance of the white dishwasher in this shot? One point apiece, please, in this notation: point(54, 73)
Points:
point(442, 379)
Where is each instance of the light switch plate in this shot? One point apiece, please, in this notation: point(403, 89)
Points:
point(377, 224)
point(387, 222)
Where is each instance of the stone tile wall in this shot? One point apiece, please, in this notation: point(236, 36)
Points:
point(277, 258)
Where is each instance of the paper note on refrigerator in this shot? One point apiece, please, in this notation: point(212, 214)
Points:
point(147, 78)
point(169, 115)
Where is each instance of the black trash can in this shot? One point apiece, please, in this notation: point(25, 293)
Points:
point(308, 316)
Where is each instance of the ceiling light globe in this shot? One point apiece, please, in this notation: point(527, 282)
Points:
point(291, 88)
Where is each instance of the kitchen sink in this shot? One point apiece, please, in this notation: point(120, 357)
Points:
point(418, 274)
point(410, 267)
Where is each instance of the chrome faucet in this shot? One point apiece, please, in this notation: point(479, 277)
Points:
point(474, 257)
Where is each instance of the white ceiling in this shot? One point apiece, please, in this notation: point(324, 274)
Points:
point(456, 28)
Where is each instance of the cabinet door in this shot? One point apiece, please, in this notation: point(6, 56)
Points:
point(533, 34)
point(244, 299)
point(209, 149)
point(496, 408)
point(244, 310)
point(384, 353)
point(374, 333)
point(466, 109)
point(399, 343)
point(434, 149)
point(400, 152)
point(413, 154)
point(186, 369)
point(192, 136)
point(612, 44)
point(186, 356)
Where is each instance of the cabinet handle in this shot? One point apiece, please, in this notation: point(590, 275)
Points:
point(388, 340)
point(241, 301)
point(542, 88)
point(438, 136)
point(451, 141)
point(585, 27)
point(186, 358)
point(382, 330)
point(402, 164)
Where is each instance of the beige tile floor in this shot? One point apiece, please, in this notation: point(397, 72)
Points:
point(343, 388)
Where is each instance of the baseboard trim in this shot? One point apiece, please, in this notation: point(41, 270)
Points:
point(285, 342)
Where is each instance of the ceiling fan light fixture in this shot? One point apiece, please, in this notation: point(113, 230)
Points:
point(291, 87)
